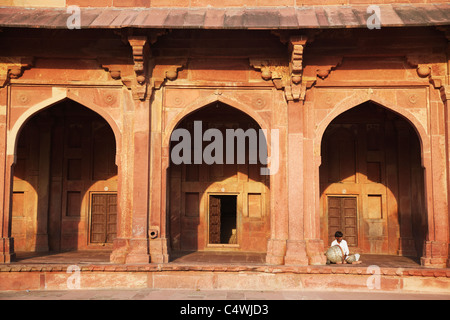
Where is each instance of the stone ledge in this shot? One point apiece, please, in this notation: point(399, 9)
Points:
point(338, 270)
point(224, 278)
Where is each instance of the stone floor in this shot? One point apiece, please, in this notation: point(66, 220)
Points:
point(203, 257)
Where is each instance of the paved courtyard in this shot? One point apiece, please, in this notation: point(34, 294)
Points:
point(200, 257)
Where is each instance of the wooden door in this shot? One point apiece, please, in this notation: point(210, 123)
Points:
point(103, 218)
point(342, 216)
point(214, 219)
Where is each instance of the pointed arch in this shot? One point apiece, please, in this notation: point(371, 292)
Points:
point(88, 133)
point(59, 95)
point(203, 102)
point(381, 177)
point(356, 100)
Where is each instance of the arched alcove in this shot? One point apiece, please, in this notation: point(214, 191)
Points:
point(372, 184)
point(64, 193)
point(208, 201)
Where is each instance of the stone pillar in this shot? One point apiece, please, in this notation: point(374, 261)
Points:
point(435, 253)
point(296, 244)
point(7, 254)
point(138, 250)
point(445, 95)
point(124, 184)
point(159, 165)
point(311, 181)
point(279, 206)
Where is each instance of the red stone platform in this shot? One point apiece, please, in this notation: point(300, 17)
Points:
point(220, 270)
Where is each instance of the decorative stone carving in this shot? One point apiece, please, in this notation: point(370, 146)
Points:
point(13, 67)
point(141, 52)
point(424, 69)
point(114, 70)
point(289, 75)
point(166, 69)
point(276, 70)
point(323, 73)
point(295, 90)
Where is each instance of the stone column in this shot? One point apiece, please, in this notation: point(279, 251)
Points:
point(159, 164)
point(139, 252)
point(435, 253)
point(311, 181)
point(124, 162)
point(296, 244)
point(445, 95)
point(279, 206)
point(7, 254)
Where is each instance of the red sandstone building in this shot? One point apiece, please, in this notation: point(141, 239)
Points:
point(86, 118)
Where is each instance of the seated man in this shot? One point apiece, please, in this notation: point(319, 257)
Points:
point(351, 259)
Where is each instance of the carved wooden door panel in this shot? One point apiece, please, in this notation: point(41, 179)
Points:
point(111, 218)
point(103, 218)
point(342, 216)
point(214, 219)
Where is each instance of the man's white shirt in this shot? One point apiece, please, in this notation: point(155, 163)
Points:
point(343, 246)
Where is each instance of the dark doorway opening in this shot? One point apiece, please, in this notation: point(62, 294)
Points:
point(222, 219)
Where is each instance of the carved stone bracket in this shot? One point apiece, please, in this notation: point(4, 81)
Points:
point(296, 89)
point(276, 70)
point(141, 53)
point(13, 67)
point(289, 75)
point(114, 70)
point(327, 64)
point(424, 70)
point(167, 70)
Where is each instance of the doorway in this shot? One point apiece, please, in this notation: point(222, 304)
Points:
point(342, 216)
point(103, 217)
point(222, 219)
